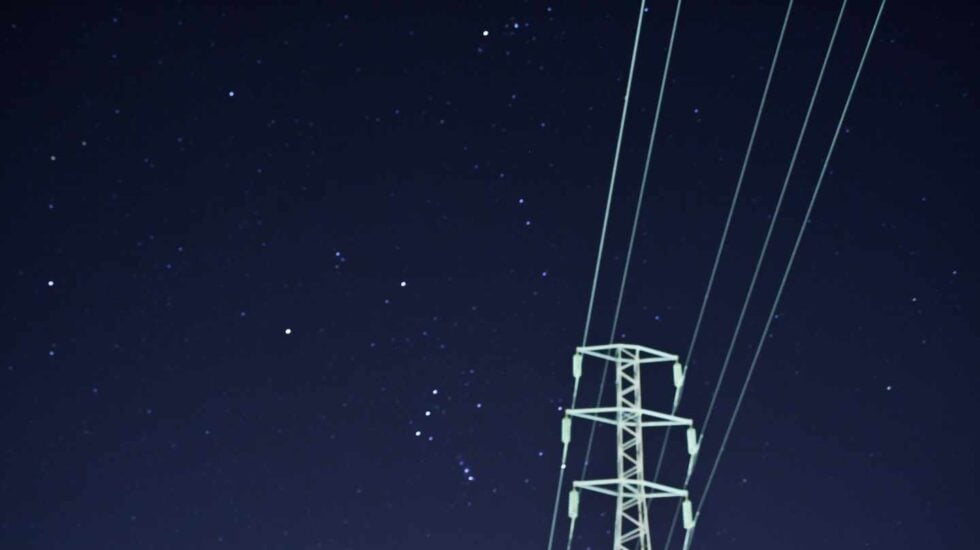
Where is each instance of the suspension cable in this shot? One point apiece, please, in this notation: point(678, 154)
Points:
point(602, 241)
point(792, 257)
point(724, 233)
point(765, 244)
point(632, 240)
point(636, 220)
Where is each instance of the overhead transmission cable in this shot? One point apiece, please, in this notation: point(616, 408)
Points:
point(717, 260)
point(632, 240)
point(792, 258)
point(770, 230)
point(724, 235)
point(748, 296)
point(636, 220)
point(602, 241)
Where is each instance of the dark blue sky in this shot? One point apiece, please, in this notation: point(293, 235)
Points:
point(416, 194)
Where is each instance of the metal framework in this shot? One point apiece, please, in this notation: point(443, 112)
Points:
point(631, 489)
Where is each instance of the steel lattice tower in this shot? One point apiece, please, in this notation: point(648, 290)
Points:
point(631, 488)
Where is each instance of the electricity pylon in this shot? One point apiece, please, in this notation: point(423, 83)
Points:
point(631, 489)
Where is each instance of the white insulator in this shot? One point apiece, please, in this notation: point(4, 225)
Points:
point(577, 365)
point(678, 374)
point(573, 504)
point(566, 430)
point(692, 441)
point(688, 514)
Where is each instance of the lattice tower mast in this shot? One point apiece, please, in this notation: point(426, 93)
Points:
point(631, 487)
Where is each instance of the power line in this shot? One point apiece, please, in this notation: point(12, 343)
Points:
point(765, 246)
point(636, 221)
point(689, 522)
point(602, 241)
point(792, 258)
point(772, 226)
point(724, 233)
point(632, 240)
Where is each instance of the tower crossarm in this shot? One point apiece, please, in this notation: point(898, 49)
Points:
point(631, 352)
point(610, 415)
point(636, 488)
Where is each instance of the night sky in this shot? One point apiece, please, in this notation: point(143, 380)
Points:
point(304, 276)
